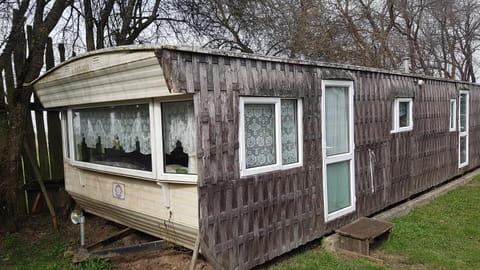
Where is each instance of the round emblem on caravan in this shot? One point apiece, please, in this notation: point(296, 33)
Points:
point(118, 191)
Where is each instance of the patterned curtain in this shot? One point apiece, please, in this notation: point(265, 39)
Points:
point(289, 131)
point(259, 134)
point(123, 125)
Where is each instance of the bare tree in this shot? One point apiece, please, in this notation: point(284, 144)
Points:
point(21, 61)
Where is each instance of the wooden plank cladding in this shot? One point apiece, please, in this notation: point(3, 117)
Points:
point(246, 221)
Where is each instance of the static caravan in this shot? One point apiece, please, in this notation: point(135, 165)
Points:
point(254, 155)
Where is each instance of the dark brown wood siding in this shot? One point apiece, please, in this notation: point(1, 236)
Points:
point(247, 221)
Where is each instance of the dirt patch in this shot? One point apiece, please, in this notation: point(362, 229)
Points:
point(173, 257)
point(34, 228)
point(165, 259)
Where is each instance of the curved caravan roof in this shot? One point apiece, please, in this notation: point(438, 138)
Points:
point(122, 73)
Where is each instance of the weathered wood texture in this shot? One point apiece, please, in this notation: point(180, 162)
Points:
point(247, 221)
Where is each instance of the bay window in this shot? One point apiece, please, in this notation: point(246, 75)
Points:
point(115, 136)
point(154, 140)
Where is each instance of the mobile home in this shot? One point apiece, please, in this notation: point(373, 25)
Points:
point(254, 155)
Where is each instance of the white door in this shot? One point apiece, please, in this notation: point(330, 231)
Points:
point(463, 122)
point(338, 148)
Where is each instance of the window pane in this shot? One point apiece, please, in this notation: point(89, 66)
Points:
point(463, 112)
point(66, 134)
point(336, 120)
point(452, 114)
point(115, 136)
point(403, 114)
point(289, 131)
point(338, 186)
point(179, 145)
point(463, 149)
point(259, 135)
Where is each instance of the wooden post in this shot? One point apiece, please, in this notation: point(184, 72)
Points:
point(195, 253)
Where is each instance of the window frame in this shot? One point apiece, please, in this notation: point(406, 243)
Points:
point(146, 175)
point(162, 175)
point(276, 101)
point(396, 114)
point(349, 156)
point(453, 115)
point(65, 135)
point(464, 133)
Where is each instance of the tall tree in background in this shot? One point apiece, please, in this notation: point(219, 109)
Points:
point(104, 23)
point(115, 22)
point(21, 61)
point(440, 37)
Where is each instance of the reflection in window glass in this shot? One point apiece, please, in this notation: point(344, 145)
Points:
point(179, 145)
point(452, 113)
point(259, 135)
point(338, 186)
point(463, 112)
point(403, 117)
point(116, 136)
point(463, 150)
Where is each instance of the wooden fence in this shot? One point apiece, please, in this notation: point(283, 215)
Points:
point(44, 135)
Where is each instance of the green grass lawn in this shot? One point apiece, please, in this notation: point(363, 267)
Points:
point(320, 259)
point(444, 234)
point(34, 249)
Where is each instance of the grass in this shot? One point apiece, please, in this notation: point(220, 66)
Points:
point(444, 234)
point(320, 259)
point(29, 249)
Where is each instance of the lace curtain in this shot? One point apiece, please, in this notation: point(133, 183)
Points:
point(121, 125)
point(259, 134)
point(179, 125)
point(289, 131)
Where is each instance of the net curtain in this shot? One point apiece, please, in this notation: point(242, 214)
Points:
point(129, 123)
point(178, 125)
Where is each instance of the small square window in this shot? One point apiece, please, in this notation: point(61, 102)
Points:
point(402, 118)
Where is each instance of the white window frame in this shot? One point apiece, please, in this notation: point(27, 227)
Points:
point(244, 171)
point(453, 115)
point(350, 156)
point(396, 115)
point(65, 137)
point(464, 133)
point(147, 175)
point(162, 175)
